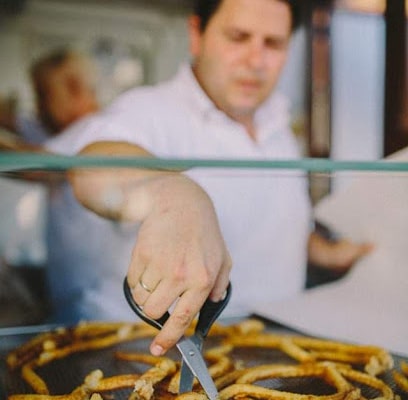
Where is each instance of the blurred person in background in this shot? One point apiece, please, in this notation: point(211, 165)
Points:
point(64, 86)
point(64, 89)
point(222, 105)
point(63, 83)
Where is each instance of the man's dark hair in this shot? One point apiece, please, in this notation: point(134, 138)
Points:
point(205, 9)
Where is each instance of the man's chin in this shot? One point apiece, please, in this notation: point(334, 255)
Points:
point(246, 108)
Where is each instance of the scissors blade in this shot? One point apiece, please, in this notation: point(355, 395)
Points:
point(186, 375)
point(193, 358)
point(209, 312)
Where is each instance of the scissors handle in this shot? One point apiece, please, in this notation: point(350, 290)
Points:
point(210, 311)
point(156, 323)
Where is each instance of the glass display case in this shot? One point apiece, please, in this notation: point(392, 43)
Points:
point(265, 210)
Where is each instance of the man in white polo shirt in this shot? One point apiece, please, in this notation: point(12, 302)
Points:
point(220, 106)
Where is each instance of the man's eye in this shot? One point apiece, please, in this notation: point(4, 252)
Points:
point(275, 44)
point(237, 36)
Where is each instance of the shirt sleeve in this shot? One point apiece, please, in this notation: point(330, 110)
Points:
point(94, 129)
point(118, 122)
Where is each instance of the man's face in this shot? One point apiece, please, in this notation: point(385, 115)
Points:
point(239, 56)
point(66, 96)
point(57, 102)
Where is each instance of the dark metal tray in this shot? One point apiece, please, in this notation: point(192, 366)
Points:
point(62, 376)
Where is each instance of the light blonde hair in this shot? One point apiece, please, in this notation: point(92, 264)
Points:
point(68, 62)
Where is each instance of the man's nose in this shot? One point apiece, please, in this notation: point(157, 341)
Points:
point(256, 56)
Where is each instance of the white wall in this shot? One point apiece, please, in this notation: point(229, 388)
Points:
point(293, 79)
point(358, 90)
point(157, 37)
point(358, 86)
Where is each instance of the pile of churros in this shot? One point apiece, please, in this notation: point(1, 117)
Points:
point(349, 371)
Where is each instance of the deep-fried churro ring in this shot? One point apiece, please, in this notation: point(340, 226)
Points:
point(83, 337)
point(333, 374)
point(401, 380)
point(33, 379)
point(144, 385)
point(116, 382)
point(404, 367)
point(244, 390)
point(376, 359)
point(82, 392)
point(326, 371)
point(228, 379)
point(94, 382)
point(303, 349)
point(34, 347)
point(191, 396)
point(368, 380)
point(63, 342)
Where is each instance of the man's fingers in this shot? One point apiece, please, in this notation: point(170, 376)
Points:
point(221, 284)
point(161, 299)
point(186, 309)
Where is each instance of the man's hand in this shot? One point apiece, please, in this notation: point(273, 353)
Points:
point(339, 255)
point(179, 258)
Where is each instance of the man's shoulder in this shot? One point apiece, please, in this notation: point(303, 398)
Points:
point(161, 93)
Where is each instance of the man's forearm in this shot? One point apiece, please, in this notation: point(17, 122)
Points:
point(116, 193)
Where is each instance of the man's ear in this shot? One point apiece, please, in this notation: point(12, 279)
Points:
point(194, 24)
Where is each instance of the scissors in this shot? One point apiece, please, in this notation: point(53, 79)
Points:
point(193, 363)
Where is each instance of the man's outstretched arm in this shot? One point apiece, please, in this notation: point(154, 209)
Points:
point(180, 255)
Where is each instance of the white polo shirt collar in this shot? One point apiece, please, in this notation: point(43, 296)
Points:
point(271, 118)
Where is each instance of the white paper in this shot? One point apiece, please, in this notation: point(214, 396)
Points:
point(369, 305)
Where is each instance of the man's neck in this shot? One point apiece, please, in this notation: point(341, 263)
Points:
point(248, 122)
